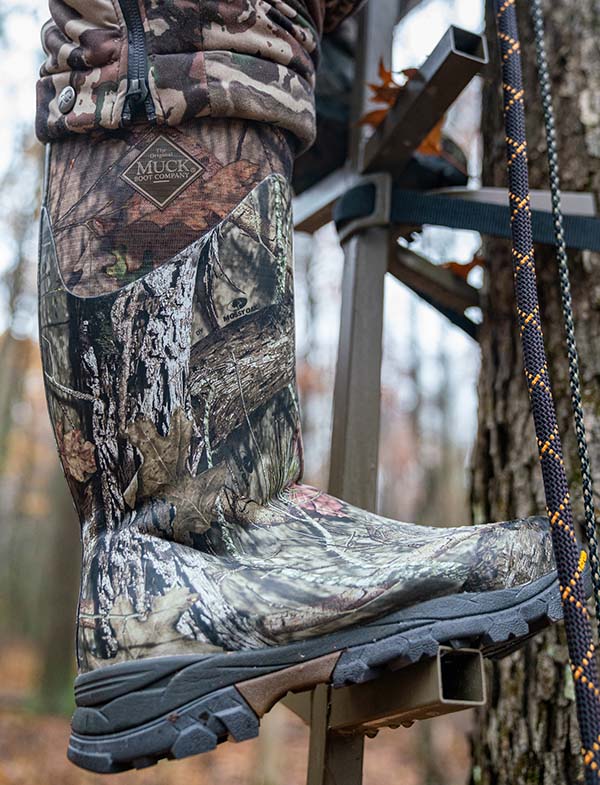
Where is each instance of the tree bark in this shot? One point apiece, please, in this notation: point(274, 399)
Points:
point(529, 732)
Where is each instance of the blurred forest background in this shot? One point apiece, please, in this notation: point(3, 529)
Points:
point(428, 423)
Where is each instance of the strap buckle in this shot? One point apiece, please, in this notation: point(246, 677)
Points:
point(381, 214)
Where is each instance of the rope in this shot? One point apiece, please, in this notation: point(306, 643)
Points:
point(570, 562)
point(567, 303)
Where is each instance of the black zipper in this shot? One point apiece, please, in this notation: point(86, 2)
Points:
point(138, 101)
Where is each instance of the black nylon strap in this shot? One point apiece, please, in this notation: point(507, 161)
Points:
point(418, 208)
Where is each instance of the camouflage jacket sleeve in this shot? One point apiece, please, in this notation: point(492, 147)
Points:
point(110, 62)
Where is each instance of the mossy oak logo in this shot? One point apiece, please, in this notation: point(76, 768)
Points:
point(162, 172)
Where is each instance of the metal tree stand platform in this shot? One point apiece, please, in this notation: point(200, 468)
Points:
point(340, 719)
point(454, 681)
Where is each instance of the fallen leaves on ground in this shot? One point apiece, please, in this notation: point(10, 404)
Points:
point(32, 750)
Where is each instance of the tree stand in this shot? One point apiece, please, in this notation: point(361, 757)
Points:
point(339, 719)
point(371, 216)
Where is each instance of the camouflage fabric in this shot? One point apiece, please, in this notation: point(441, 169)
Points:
point(175, 409)
point(251, 59)
point(86, 47)
point(107, 233)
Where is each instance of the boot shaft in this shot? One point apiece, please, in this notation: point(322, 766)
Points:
point(173, 396)
point(174, 403)
point(123, 204)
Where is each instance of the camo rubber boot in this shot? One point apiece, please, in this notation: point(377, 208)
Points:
point(213, 580)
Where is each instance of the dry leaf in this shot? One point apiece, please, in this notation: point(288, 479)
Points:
point(410, 73)
point(164, 457)
point(164, 474)
point(136, 631)
point(462, 270)
point(384, 74)
point(432, 144)
point(374, 118)
point(387, 92)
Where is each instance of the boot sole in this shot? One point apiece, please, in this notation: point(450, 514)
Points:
point(133, 714)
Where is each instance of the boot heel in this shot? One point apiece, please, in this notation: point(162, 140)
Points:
point(189, 730)
point(179, 705)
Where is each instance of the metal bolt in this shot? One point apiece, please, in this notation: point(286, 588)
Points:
point(66, 99)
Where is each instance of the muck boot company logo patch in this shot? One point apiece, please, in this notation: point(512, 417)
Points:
point(162, 172)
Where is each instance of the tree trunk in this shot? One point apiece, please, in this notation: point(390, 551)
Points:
point(529, 732)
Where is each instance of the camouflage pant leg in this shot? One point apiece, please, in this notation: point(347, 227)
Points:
point(231, 97)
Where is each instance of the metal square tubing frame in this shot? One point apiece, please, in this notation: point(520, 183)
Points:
point(340, 718)
point(370, 252)
point(456, 59)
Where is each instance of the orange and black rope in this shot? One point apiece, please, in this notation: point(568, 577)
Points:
point(569, 559)
point(562, 260)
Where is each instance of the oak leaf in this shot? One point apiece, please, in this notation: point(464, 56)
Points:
point(164, 457)
point(385, 74)
point(432, 144)
point(142, 631)
point(164, 474)
point(374, 118)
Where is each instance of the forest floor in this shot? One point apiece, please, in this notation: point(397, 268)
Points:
point(33, 746)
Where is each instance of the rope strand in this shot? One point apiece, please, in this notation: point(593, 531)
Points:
point(569, 559)
point(587, 482)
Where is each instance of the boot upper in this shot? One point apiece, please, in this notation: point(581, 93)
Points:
point(175, 407)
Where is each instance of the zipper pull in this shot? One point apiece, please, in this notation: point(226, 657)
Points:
point(135, 98)
point(137, 92)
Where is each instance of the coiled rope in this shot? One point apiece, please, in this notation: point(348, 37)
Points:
point(570, 561)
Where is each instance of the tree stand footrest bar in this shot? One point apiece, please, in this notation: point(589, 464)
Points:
point(339, 718)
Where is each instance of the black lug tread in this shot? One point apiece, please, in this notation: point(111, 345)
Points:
point(197, 728)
